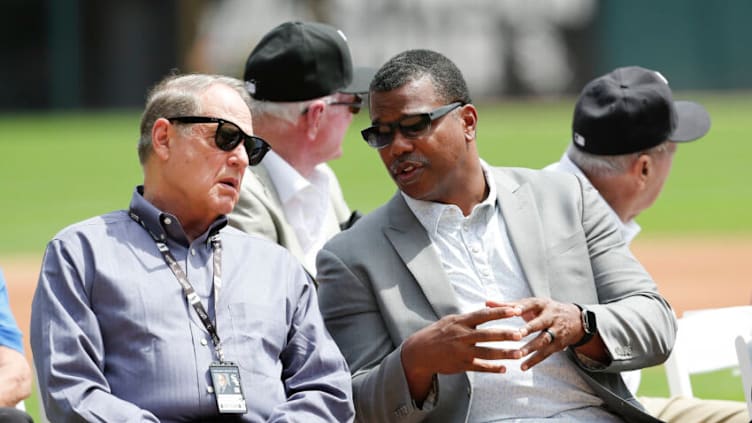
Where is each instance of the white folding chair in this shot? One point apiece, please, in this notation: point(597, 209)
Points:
point(744, 352)
point(705, 343)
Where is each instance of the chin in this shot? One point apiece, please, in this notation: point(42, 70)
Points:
point(225, 206)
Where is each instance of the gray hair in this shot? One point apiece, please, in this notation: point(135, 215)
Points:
point(601, 165)
point(178, 95)
point(285, 111)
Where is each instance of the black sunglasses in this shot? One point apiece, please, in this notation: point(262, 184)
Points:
point(229, 135)
point(381, 135)
point(353, 106)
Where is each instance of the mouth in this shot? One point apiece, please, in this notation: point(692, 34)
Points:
point(233, 183)
point(406, 171)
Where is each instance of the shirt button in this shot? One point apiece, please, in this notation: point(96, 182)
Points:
point(193, 251)
point(203, 342)
point(167, 221)
point(210, 389)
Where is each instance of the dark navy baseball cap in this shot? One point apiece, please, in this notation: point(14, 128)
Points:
point(298, 61)
point(631, 109)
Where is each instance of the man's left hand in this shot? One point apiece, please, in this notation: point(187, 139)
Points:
point(559, 326)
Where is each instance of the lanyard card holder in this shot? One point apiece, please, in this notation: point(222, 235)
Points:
point(227, 388)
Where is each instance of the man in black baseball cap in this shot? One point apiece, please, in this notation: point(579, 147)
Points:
point(304, 92)
point(630, 110)
point(298, 61)
point(625, 131)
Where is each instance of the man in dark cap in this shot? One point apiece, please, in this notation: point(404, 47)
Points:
point(305, 92)
point(625, 131)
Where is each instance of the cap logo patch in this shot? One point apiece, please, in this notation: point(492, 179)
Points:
point(578, 139)
point(251, 87)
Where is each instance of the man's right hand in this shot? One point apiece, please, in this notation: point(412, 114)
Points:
point(449, 346)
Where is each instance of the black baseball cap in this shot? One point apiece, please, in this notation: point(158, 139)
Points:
point(298, 61)
point(631, 109)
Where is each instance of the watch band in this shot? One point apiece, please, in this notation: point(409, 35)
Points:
point(588, 325)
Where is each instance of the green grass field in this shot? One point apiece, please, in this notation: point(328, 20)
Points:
point(61, 168)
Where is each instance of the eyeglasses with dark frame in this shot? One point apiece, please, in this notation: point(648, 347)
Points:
point(353, 106)
point(229, 135)
point(380, 135)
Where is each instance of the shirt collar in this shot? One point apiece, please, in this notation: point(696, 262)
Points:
point(163, 225)
point(437, 216)
point(288, 181)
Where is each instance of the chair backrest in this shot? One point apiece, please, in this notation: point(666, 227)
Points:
point(704, 343)
point(744, 352)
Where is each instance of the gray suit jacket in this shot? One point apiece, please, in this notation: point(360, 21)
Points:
point(381, 281)
point(259, 211)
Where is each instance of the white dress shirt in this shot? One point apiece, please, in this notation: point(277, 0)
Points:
point(305, 202)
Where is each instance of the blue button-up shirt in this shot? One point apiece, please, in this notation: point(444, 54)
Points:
point(114, 338)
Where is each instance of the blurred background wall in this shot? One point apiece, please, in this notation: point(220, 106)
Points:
point(81, 54)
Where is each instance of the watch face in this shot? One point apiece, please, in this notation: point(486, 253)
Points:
point(588, 318)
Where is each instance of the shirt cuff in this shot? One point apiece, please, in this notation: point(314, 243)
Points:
point(589, 363)
point(432, 398)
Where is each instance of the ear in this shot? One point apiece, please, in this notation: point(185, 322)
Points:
point(312, 119)
point(161, 139)
point(641, 169)
point(469, 116)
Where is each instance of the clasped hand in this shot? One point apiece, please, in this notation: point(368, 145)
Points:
point(451, 344)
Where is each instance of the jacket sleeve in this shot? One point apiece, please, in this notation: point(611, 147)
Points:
point(636, 323)
point(316, 377)
point(352, 317)
point(250, 214)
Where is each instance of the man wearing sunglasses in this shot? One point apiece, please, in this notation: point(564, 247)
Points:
point(139, 314)
point(480, 293)
point(305, 93)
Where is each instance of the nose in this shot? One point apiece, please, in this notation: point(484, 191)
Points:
point(400, 144)
point(238, 156)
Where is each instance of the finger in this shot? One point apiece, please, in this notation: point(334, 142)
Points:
point(536, 358)
point(490, 353)
point(541, 342)
point(475, 318)
point(542, 346)
point(485, 366)
point(495, 334)
point(536, 325)
point(492, 303)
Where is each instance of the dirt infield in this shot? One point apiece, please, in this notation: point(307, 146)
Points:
point(691, 273)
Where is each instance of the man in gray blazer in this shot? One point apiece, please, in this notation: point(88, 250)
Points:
point(304, 93)
point(471, 271)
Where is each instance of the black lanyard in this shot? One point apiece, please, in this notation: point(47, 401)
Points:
point(188, 291)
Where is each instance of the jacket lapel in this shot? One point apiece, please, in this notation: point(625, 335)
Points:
point(411, 242)
point(520, 213)
point(268, 195)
